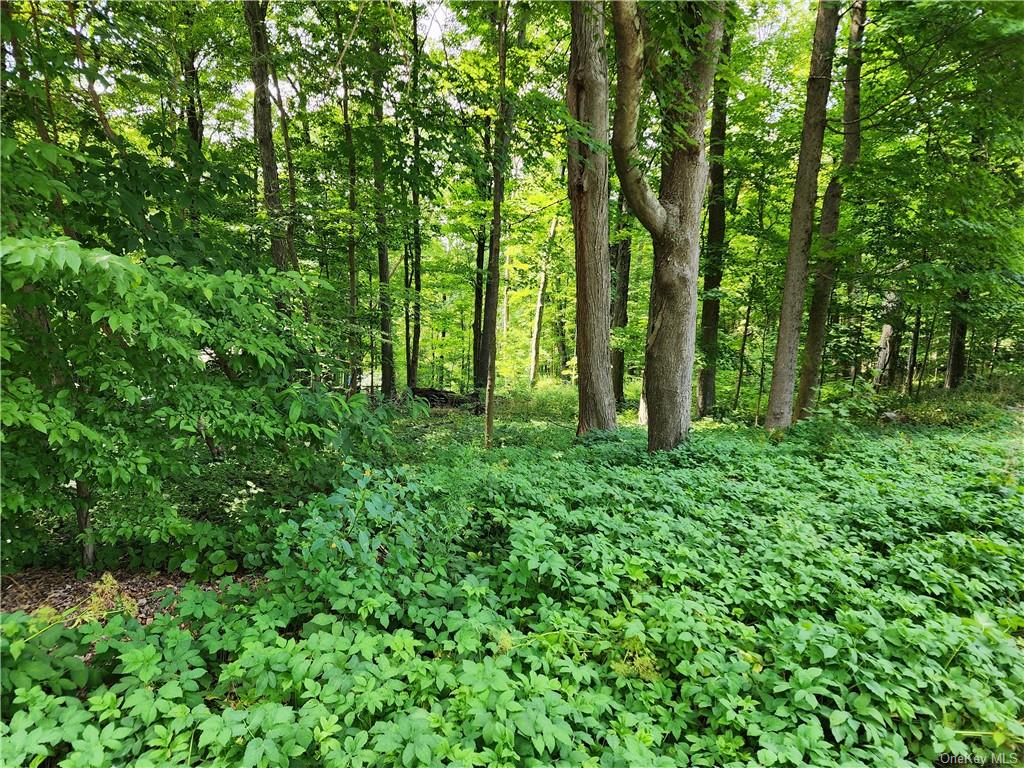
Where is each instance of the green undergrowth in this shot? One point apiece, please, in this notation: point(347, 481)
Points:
point(837, 596)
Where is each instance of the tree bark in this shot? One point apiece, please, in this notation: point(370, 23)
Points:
point(587, 101)
point(621, 253)
point(714, 263)
point(194, 105)
point(561, 344)
point(743, 344)
point(479, 362)
point(915, 337)
point(888, 340)
point(413, 353)
point(805, 195)
point(83, 510)
point(956, 360)
point(387, 350)
point(501, 144)
point(263, 129)
point(538, 313)
point(825, 269)
point(923, 366)
point(290, 167)
point(353, 274)
point(673, 215)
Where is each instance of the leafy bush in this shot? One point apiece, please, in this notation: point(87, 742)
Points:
point(116, 372)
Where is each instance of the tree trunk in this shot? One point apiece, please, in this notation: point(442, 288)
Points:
point(263, 129)
point(387, 350)
point(479, 361)
point(501, 144)
point(406, 286)
point(561, 344)
point(413, 353)
point(886, 339)
point(353, 274)
point(193, 106)
point(83, 505)
point(622, 253)
point(673, 216)
point(714, 263)
point(290, 166)
point(538, 314)
point(892, 371)
point(743, 345)
point(805, 195)
point(825, 269)
point(957, 358)
point(912, 357)
point(587, 101)
point(768, 320)
point(927, 353)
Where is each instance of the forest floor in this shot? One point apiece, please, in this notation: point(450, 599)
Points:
point(844, 594)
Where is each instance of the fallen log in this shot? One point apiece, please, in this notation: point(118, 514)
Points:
point(445, 398)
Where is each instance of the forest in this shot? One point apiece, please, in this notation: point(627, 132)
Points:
point(598, 383)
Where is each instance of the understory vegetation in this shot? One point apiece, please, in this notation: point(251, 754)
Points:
point(849, 594)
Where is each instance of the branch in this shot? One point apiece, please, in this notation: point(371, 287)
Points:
point(630, 73)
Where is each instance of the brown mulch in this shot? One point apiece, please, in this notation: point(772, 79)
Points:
point(62, 590)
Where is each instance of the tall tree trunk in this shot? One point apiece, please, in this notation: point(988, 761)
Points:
point(413, 353)
point(587, 100)
point(743, 344)
point(263, 128)
point(290, 167)
point(715, 260)
point(768, 321)
point(502, 136)
point(825, 269)
point(805, 195)
point(893, 370)
point(621, 254)
point(956, 360)
point(479, 362)
point(353, 274)
point(915, 337)
point(83, 509)
point(406, 289)
point(193, 115)
point(538, 313)
point(387, 349)
point(887, 339)
point(673, 215)
point(927, 353)
point(561, 344)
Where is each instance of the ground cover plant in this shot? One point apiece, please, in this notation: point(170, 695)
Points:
point(852, 599)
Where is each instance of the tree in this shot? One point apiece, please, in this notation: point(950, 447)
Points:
point(825, 268)
point(413, 352)
point(263, 128)
point(587, 98)
point(387, 349)
point(956, 360)
point(673, 215)
point(805, 195)
point(621, 252)
point(538, 314)
point(709, 315)
point(499, 158)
